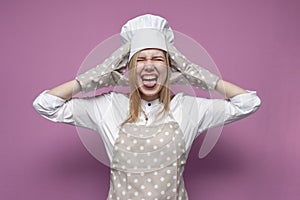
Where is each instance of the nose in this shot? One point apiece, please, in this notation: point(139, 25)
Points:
point(149, 66)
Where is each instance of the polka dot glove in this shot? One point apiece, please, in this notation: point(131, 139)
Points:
point(185, 72)
point(109, 73)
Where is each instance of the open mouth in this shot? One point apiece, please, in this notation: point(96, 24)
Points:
point(149, 80)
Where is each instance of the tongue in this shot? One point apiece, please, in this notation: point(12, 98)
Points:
point(149, 84)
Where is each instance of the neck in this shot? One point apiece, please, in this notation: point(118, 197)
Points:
point(149, 98)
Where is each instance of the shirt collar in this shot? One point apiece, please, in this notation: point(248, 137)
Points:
point(150, 103)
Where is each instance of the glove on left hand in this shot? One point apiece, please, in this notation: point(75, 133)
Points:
point(109, 73)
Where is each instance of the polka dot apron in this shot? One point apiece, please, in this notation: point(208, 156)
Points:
point(148, 163)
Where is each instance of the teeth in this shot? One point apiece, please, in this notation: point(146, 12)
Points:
point(149, 78)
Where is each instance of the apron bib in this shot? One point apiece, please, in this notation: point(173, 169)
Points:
point(148, 163)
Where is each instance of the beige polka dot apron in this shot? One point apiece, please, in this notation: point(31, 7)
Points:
point(148, 163)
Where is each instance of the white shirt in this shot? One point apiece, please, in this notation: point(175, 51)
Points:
point(105, 113)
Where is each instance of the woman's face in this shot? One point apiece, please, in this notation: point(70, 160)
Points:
point(151, 73)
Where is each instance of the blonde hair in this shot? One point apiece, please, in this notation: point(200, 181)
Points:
point(135, 97)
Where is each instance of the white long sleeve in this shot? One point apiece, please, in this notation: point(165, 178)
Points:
point(106, 112)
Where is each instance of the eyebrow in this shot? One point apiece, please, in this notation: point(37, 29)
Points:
point(158, 56)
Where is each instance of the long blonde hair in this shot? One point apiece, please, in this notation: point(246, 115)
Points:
point(135, 97)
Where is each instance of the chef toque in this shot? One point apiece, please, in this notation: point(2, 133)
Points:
point(147, 31)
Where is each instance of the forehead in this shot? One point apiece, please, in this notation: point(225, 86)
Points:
point(151, 52)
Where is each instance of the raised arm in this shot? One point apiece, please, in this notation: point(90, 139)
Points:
point(59, 105)
point(239, 104)
point(66, 90)
point(109, 73)
point(228, 89)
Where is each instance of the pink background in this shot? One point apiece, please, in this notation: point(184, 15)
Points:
point(255, 44)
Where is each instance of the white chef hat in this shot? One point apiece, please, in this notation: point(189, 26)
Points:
point(146, 31)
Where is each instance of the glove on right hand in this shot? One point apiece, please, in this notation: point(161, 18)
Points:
point(182, 68)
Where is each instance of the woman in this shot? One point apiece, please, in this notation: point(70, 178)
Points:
point(148, 133)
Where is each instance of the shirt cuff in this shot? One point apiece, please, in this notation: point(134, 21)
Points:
point(49, 101)
point(246, 100)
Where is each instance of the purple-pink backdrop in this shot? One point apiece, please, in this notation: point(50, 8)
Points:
point(254, 43)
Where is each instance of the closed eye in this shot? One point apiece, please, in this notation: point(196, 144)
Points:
point(155, 58)
point(140, 59)
point(158, 58)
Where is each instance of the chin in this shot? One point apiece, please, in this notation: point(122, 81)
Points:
point(152, 93)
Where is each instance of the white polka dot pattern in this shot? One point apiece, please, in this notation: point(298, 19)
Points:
point(152, 146)
point(109, 73)
point(185, 72)
point(153, 166)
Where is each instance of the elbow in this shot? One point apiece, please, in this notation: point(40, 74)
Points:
point(247, 103)
point(253, 106)
point(249, 107)
point(43, 111)
point(36, 105)
point(41, 107)
point(256, 104)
